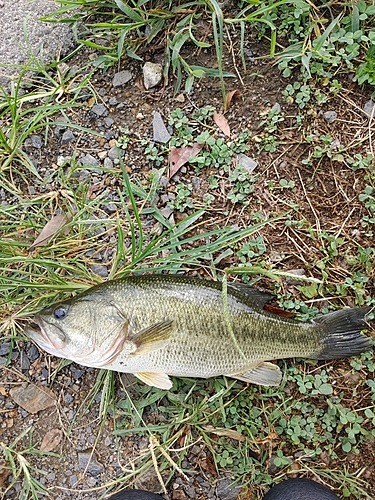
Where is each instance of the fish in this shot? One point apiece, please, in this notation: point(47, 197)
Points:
point(157, 326)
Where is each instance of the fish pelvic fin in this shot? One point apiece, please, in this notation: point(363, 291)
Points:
point(152, 338)
point(263, 374)
point(341, 333)
point(160, 380)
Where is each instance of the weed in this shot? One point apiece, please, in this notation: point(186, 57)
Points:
point(183, 198)
point(22, 471)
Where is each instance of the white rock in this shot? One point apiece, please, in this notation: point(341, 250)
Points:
point(249, 164)
point(152, 74)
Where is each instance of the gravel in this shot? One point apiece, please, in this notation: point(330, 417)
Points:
point(45, 40)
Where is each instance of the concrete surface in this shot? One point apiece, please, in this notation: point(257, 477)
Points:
point(47, 38)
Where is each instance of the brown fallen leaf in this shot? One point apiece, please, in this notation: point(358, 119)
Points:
point(49, 230)
point(230, 433)
point(51, 440)
point(179, 156)
point(234, 94)
point(222, 123)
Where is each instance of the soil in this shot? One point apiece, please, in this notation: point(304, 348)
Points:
point(87, 456)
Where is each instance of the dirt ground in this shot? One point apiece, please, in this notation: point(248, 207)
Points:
point(86, 455)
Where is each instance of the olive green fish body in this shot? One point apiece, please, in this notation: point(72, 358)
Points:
point(155, 326)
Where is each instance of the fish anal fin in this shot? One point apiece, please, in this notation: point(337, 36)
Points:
point(152, 338)
point(159, 380)
point(263, 374)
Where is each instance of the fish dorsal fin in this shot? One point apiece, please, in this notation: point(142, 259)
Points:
point(152, 338)
point(263, 374)
point(160, 380)
point(260, 298)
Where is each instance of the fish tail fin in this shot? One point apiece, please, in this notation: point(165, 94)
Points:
point(342, 335)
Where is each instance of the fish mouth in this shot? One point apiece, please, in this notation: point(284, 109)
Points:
point(37, 332)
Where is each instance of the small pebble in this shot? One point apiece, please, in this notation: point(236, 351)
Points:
point(114, 152)
point(67, 137)
point(249, 164)
point(36, 141)
point(160, 132)
point(87, 459)
point(99, 110)
point(227, 490)
point(89, 161)
point(369, 108)
point(121, 78)
point(330, 116)
point(101, 271)
point(5, 348)
point(108, 163)
point(109, 122)
point(152, 74)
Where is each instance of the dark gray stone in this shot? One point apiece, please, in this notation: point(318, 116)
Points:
point(67, 137)
point(36, 141)
point(330, 116)
point(101, 271)
point(226, 490)
point(89, 161)
point(99, 110)
point(86, 459)
point(24, 362)
point(110, 208)
point(108, 163)
point(163, 181)
point(109, 121)
point(5, 348)
point(161, 133)
point(121, 78)
point(195, 182)
point(166, 212)
point(114, 152)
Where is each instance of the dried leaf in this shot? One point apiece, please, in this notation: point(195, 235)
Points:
point(230, 433)
point(3, 391)
point(234, 94)
point(91, 101)
point(51, 440)
point(222, 123)
point(179, 156)
point(49, 230)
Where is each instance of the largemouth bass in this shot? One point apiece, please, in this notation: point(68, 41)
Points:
point(161, 325)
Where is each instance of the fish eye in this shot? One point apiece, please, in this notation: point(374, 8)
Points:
point(60, 312)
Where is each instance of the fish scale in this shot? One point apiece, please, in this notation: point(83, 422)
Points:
point(160, 325)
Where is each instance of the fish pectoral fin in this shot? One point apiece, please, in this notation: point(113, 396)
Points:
point(263, 374)
point(152, 338)
point(160, 380)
